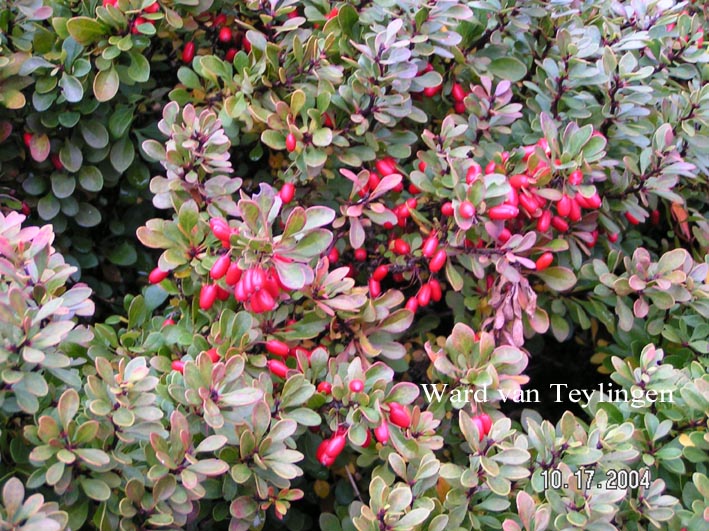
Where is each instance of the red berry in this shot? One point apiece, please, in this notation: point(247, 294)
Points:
point(436, 292)
point(542, 143)
point(575, 212)
point(27, 139)
point(265, 300)
point(459, 107)
point(356, 386)
point(519, 181)
point(333, 256)
point(207, 296)
point(332, 14)
point(412, 305)
point(429, 92)
point(429, 246)
point(576, 177)
point(291, 142)
point(233, 274)
point(490, 167)
point(375, 288)
point(401, 247)
point(528, 152)
point(327, 119)
point(56, 162)
point(381, 432)
point(277, 368)
point(380, 273)
point(502, 212)
point(655, 217)
point(563, 206)
point(360, 254)
point(467, 209)
point(529, 204)
point(399, 416)
point(594, 201)
point(220, 267)
point(447, 209)
point(225, 35)
point(246, 44)
point(168, 322)
point(438, 260)
point(559, 224)
point(458, 92)
point(222, 294)
point(188, 52)
point(481, 427)
point(487, 422)
point(279, 348)
point(324, 388)
point(367, 440)
point(137, 22)
point(220, 228)
point(424, 295)
point(287, 192)
point(213, 354)
point(613, 237)
point(504, 236)
point(219, 20)
point(422, 166)
point(107, 3)
point(157, 275)
point(544, 261)
point(386, 166)
point(178, 366)
point(544, 221)
point(632, 219)
point(230, 54)
point(152, 8)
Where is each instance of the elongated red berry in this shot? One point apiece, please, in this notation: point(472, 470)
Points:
point(519, 181)
point(613, 237)
point(386, 166)
point(157, 275)
point(429, 246)
point(503, 212)
point(279, 348)
point(399, 416)
point(458, 92)
point(277, 368)
point(436, 291)
point(291, 142)
point(474, 171)
point(563, 206)
point(188, 52)
point(220, 267)
point(632, 219)
point(401, 247)
point(575, 212)
point(424, 295)
point(481, 427)
point(152, 8)
point(380, 273)
point(233, 274)
point(220, 228)
point(559, 224)
point(544, 221)
point(487, 422)
point(381, 432)
point(375, 288)
point(324, 388)
point(438, 261)
point(287, 192)
point(544, 261)
point(207, 296)
point(168, 322)
point(412, 305)
point(178, 366)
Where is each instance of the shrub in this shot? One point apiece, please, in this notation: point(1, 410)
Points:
point(371, 218)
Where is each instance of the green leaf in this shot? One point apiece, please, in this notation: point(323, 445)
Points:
point(123, 255)
point(558, 278)
point(322, 137)
point(139, 69)
point(63, 185)
point(106, 84)
point(88, 215)
point(67, 407)
point(71, 88)
point(71, 157)
point(508, 68)
point(94, 133)
point(122, 154)
point(274, 139)
point(95, 489)
point(90, 178)
point(85, 30)
point(48, 207)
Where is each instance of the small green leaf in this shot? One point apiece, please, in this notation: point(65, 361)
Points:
point(85, 30)
point(95, 489)
point(106, 84)
point(71, 88)
point(122, 154)
point(558, 278)
point(94, 133)
point(90, 178)
point(508, 68)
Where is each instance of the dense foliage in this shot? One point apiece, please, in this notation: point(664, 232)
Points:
point(315, 214)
